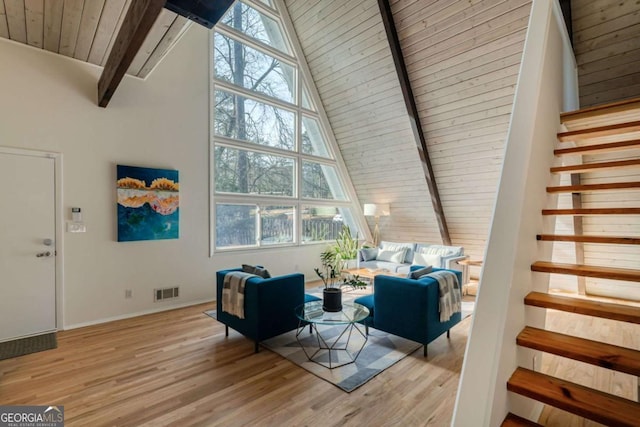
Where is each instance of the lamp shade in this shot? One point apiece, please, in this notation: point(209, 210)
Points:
point(372, 209)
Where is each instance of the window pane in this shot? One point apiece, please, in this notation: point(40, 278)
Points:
point(254, 24)
point(320, 223)
point(244, 118)
point(235, 225)
point(248, 172)
point(277, 224)
point(306, 99)
point(312, 139)
point(256, 71)
point(321, 182)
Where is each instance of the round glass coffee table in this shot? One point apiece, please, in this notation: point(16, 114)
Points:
point(335, 338)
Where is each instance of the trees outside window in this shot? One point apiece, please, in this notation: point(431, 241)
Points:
point(276, 180)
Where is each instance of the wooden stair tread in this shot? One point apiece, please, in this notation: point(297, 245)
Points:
point(599, 148)
point(513, 420)
point(594, 132)
point(600, 110)
point(605, 310)
point(595, 167)
point(608, 356)
point(594, 211)
point(587, 271)
point(594, 187)
point(618, 240)
point(583, 401)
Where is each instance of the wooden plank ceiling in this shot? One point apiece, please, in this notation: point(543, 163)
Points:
point(86, 29)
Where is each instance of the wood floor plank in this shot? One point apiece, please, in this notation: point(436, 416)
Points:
point(178, 368)
point(513, 420)
point(587, 271)
point(607, 310)
point(593, 352)
point(592, 404)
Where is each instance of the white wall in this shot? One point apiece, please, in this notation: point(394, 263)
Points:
point(48, 103)
point(492, 354)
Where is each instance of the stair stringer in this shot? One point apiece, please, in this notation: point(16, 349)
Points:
point(546, 85)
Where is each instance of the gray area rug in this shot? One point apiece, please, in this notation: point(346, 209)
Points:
point(29, 345)
point(381, 351)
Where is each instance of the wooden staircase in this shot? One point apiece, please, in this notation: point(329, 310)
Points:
point(598, 130)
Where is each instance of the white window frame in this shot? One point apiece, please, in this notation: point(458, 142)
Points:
point(302, 75)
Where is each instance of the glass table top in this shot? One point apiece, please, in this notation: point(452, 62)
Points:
point(312, 312)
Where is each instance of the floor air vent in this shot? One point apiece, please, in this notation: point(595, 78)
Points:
point(166, 293)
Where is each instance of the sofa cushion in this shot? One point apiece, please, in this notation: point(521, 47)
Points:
point(369, 254)
point(427, 259)
point(416, 274)
point(382, 265)
point(392, 254)
point(395, 246)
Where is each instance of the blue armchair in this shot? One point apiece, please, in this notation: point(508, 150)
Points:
point(269, 305)
point(408, 308)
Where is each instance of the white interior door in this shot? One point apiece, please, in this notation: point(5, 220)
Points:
point(27, 246)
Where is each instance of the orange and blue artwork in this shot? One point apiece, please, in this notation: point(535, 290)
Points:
point(148, 203)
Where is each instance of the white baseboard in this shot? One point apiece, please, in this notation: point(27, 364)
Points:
point(136, 314)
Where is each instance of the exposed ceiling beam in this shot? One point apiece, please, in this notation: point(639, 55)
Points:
point(414, 118)
point(135, 27)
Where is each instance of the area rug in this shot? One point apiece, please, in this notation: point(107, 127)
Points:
point(381, 351)
point(29, 345)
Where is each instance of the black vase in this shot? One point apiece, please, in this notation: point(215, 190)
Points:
point(332, 299)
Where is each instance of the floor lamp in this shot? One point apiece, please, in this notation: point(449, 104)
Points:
point(376, 211)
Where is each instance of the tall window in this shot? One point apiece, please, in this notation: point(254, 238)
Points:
point(276, 179)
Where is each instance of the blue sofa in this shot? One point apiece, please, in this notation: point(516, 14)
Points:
point(269, 305)
point(408, 308)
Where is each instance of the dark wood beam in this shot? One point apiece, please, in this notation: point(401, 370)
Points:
point(414, 118)
point(135, 27)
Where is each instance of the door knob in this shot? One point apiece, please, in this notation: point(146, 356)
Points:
point(43, 254)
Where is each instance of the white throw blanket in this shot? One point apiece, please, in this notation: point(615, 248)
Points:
point(233, 293)
point(450, 295)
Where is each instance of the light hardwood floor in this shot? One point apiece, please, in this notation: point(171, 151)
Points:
point(178, 368)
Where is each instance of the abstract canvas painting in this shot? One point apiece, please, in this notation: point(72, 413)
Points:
point(148, 203)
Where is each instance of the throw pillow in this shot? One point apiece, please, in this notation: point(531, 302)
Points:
point(396, 256)
point(427, 259)
point(416, 274)
point(257, 270)
point(369, 254)
point(262, 272)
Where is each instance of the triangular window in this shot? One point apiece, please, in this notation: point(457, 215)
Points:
point(275, 170)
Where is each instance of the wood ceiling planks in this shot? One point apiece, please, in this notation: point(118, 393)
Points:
point(85, 29)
